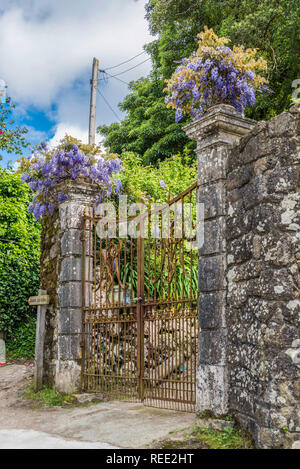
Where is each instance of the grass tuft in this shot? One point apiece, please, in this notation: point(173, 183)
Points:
point(230, 438)
point(48, 396)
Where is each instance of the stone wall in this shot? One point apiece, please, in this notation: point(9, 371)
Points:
point(249, 281)
point(263, 260)
point(50, 266)
point(61, 276)
point(221, 127)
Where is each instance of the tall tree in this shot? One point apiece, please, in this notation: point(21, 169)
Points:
point(149, 129)
point(272, 26)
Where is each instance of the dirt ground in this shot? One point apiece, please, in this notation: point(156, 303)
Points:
point(110, 424)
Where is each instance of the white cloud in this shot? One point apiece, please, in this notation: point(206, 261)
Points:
point(43, 53)
point(64, 128)
point(47, 47)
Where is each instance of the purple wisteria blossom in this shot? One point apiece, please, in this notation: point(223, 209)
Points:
point(69, 162)
point(201, 82)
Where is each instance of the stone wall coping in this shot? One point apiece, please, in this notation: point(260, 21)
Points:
point(78, 186)
point(223, 118)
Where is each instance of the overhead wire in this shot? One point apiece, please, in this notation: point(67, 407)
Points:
point(107, 103)
point(116, 78)
point(126, 61)
point(119, 79)
point(131, 68)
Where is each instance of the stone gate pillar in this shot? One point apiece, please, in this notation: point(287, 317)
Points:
point(214, 133)
point(61, 275)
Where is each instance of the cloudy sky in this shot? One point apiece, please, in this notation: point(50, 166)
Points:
point(46, 53)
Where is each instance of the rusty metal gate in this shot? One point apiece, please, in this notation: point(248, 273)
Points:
point(139, 314)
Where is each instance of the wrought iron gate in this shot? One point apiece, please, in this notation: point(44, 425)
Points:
point(139, 314)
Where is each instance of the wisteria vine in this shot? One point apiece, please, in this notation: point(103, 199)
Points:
point(215, 74)
point(45, 171)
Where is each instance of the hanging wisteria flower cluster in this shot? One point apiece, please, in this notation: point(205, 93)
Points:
point(71, 160)
point(215, 74)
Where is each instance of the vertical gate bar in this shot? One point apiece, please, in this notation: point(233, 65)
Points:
point(96, 311)
point(120, 330)
point(149, 250)
point(182, 244)
point(167, 320)
point(156, 335)
point(140, 308)
point(88, 303)
point(93, 302)
point(94, 265)
point(191, 248)
point(133, 311)
point(100, 286)
point(106, 323)
point(155, 259)
point(83, 302)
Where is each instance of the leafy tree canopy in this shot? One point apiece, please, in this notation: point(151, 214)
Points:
point(157, 183)
point(11, 137)
point(19, 252)
point(272, 26)
point(149, 128)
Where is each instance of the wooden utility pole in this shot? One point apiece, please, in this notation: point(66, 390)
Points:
point(94, 87)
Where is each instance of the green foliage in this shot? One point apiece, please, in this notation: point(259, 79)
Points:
point(162, 287)
point(271, 26)
point(11, 137)
point(19, 261)
point(206, 438)
point(143, 182)
point(48, 396)
point(230, 438)
point(21, 343)
point(148, 128)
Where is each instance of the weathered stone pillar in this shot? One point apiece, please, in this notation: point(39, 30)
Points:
point(214, 133)
point(61, 272)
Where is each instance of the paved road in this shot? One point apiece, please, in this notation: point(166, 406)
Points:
point(30, 439)
point(111, 424)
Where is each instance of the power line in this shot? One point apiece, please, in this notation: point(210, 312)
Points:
point(125, 71)
point(107, 103)
point(126, 61)
point(116, 78)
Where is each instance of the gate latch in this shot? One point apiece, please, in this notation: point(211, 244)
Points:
point(138, 300)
